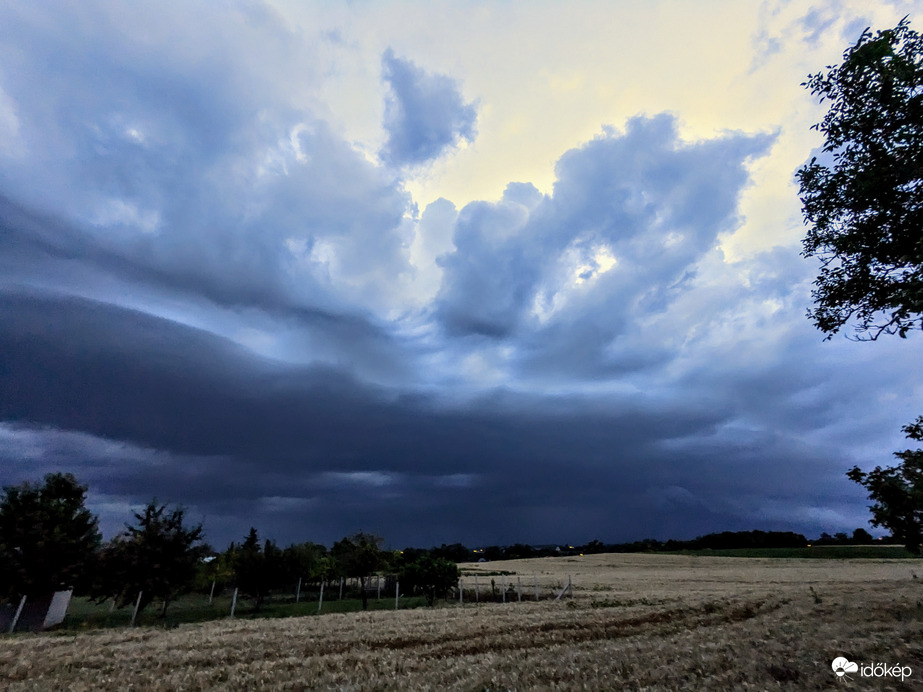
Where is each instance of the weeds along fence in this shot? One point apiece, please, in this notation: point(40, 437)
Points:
point(383, 592)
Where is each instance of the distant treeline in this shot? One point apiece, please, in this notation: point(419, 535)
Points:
point(726, 540)
point(50, 541)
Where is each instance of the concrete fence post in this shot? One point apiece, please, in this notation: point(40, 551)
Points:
point(22, 604)
point(134, 615)
point(234, 602)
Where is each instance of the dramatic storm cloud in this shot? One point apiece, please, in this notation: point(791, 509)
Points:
point(485, 277)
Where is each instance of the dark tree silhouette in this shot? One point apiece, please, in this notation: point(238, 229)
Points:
point(898, 492)
point(863, 202)
point(360, 556)
point(432, 576)
point(47, 537)
point(157, 557)
point(864, 208)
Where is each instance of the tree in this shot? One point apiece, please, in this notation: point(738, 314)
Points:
point(864, 209)
point(898, 492)
point(861, 537)
point(249, 565)
point(360, 555)
point(47, 536)
point(432, 576)
point(864, 202)
point(258, 569)
point(303, 561)
point(157, 557)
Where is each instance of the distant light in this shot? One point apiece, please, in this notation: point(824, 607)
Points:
point(581, 554)
point(809, 545)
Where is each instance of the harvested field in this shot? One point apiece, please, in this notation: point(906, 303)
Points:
point(651, 622)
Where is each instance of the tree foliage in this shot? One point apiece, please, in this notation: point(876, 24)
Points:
point(431, 576)
point(255, 569)
point(360, 556)
point(864, 208)
point(898, 492)
point(863, 201)
point(47, 537)
point(157, 557)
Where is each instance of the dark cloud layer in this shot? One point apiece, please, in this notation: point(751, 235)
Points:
point(311, 452)
point(209, 295)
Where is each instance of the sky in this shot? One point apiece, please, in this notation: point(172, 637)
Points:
point(487, 272)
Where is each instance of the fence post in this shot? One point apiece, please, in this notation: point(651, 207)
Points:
point(137, 605)
point(341, 589)
point(378, 584)
point(211, 596)
point(503, 587)
point(22, 604)
point(397, 591)
point(320, 601)
point(298, 591)
point(519, 589)
point(477, 590)
point(569, 587)
point(535, 581)
point(234, 602)
point(461, 593)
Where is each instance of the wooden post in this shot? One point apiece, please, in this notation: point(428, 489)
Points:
point(341, 588)
point(211, 596)
point(503, 588)
point(519, 589)
point(234, 602)
point(22, 604)
point(461, 593)
point(535, 581)
point(134, 615)
point(320, 601)
point(397, 592)
point(112, 606)
point(477, 590)
point(378, 584)
point(298, 591)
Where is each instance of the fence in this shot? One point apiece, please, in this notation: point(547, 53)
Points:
point(502, 589)
point(306, 598)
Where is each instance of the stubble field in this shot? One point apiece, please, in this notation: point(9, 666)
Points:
point(636, 622)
